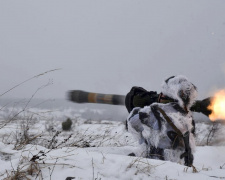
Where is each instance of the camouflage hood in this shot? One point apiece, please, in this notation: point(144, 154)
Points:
point(180, 89)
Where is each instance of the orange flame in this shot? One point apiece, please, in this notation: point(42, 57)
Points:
point(217, 106)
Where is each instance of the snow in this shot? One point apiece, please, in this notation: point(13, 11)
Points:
point(94, 149)
point(113, 163)
point(98, 150)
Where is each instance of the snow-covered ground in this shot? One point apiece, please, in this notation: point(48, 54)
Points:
point(35, 147)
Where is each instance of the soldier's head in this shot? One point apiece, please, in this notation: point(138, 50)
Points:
point(180, 89)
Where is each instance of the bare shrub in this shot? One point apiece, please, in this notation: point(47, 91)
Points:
point(14, 117)
point(24, 170)
point(66, 125)
point(212, 132)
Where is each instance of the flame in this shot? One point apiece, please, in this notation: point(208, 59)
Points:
point(217, 106)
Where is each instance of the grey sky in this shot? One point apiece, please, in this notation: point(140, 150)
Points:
point(110, 45)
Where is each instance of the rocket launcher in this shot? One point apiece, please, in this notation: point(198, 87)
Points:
point(79, 96)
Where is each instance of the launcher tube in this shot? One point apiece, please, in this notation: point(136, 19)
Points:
point(79, 96)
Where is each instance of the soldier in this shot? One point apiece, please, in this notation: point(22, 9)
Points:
point(164, 131)
point(162, 123)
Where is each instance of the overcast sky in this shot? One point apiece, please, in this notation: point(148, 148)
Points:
point(108, 46)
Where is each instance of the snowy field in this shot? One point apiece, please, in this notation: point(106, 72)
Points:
point(33, 146)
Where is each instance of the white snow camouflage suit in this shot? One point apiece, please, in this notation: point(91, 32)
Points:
point(156, 137)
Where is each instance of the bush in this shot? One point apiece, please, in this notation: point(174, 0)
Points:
point(66, 125)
